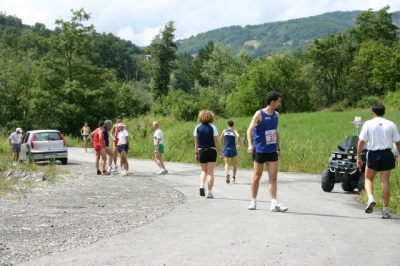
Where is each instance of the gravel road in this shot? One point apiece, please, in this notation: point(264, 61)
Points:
point(78, 209)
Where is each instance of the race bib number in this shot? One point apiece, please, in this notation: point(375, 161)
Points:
point(270, 136)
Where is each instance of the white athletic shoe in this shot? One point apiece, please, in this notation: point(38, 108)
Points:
point(253, 205)
point(279, 208)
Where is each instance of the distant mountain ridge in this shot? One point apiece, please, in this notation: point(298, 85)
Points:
point(272, 37)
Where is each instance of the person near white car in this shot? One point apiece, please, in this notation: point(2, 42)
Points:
point(15, 141)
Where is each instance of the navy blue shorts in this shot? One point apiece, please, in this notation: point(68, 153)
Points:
point(230, 152)
point(381, 160)
point(207, 155)
point(122, 148)
point(265, 157)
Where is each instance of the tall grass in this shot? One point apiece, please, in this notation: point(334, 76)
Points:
point(306, 141)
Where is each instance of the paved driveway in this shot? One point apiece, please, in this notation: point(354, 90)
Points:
point(318, 229)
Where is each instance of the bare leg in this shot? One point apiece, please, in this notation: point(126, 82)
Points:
point(158, 160)
point(203, 174)
point(234, 165)
point(255, 182)
point(369, 178)
point(272, 168)
point(226, 159)
point(210, 175)
point(385, 187)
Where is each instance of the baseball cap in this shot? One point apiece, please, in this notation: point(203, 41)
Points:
point(19, 129)
point(121, 124)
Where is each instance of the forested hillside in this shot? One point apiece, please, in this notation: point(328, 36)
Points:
point(63, 77)
point(275, 37)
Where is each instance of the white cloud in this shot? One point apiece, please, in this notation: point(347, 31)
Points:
point(140, 20)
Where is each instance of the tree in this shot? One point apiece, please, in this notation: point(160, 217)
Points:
point(375, 27)
point(163, 56)
point(203, 56)
point(74, 41)
point(331, 58)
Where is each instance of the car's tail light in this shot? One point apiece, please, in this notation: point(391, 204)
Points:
point(31, 141)
point(64, 142)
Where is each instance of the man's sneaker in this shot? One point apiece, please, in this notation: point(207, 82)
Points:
point(14, 163)
point(123, 173)
point(202, 192)
point(209, 195)
point(233, 179)
point(165, 172)
point(228, 178)
point(109, 169)
point(105, 173)
point(98, 172)
point(279, 208)
point(253, 205)
point(370, 206)
point(113, 168)
point(385, 214)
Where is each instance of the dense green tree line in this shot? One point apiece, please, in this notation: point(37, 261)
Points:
point(61, 78)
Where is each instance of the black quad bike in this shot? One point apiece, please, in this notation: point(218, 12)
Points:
point(343, 168)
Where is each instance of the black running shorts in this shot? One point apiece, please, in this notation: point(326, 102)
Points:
point(381, 160)
point(265, 157)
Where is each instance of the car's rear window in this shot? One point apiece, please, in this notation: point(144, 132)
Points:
point(47, 136)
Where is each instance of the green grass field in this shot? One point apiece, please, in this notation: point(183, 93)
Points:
point(306, 141)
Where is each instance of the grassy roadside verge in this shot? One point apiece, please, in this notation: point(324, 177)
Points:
point(306, 141)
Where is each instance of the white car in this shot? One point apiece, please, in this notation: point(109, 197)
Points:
point(44, 145)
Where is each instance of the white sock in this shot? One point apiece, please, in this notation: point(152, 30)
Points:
point(254, 200)
point(210, 191)
point(371, 197)
point(385, 209)
point(201, 185)
point(274, 202)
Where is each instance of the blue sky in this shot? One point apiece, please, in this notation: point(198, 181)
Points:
point(140, 20)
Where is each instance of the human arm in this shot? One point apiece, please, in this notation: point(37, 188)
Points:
point(196, 147)
point(218, 146)
point(157, 144)
point(91, 137)
point(222, 135)
point(101, 139)
point(360, 146)
point(9, 140)
point(254, 122)
point(237, 139)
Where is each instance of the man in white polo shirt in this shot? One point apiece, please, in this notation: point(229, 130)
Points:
point(380, 134)
point(15, 141)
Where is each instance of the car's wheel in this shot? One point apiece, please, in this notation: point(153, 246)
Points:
point(348, 186)
point(361, 182)
point(327, 180)
point(64, 161)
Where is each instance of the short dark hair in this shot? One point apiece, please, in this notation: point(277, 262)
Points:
point(119, 117)
point(101, 123)
point(378, 109)
point(230, 123)
point(272, 96)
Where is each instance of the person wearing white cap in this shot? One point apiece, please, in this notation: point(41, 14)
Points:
point(15, 141)
point(123, 147)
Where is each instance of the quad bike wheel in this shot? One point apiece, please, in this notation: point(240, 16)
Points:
point(327, 180)
point(348, 186)
point(361, 182)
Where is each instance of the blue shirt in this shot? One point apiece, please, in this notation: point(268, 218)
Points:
point(105, 135)
point(229, 138)
point(205, 133)
point(265, 133)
